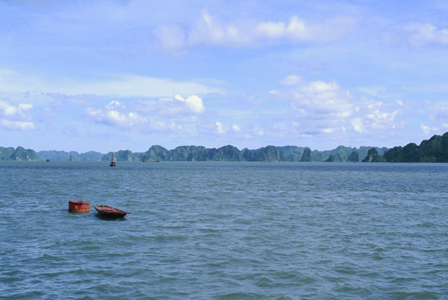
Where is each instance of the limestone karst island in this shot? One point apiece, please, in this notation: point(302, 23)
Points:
point(433, 150)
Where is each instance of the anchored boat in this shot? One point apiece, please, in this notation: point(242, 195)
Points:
point(112, 161)
point(110, 212)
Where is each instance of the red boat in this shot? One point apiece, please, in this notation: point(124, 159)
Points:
point(110, 212)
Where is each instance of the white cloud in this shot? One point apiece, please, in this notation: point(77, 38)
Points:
point(16, 125)
point(416, 35)
point(16, 117)
point(249, 33)
point(173, 108)
point(379, 119)
point(271, 29)
point(426, 129)
point(220, 129)
point(299, 31)
point(193, 102)
point(140, 86)
point(131, 121)
point(124, 86)
point(215, 130)
point(166, 114)
point(208, 31)
point(357, 125)
point(424, 34)
point(114, 104)
point(8, 110)
point(116, 118)
point(319, 99)
point(323, 108)
point(292, 80)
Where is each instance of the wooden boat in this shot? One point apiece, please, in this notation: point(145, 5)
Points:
point(110, 212)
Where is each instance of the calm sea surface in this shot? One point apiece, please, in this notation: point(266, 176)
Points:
point(208, 230)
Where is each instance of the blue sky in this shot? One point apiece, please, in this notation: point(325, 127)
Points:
point(115, 75)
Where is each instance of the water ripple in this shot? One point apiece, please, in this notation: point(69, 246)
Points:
point(225, 231)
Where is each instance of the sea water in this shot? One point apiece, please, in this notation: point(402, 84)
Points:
point(225, 230)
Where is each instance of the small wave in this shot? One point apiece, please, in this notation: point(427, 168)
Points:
point(166, 238)
point(240, 296)
point(426, 224)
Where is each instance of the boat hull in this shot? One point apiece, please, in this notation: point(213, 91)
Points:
point(110, 212)
point(79, 207)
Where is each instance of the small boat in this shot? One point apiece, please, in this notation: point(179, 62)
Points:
point(150, 161)
point(112, 161)
point(110, 212)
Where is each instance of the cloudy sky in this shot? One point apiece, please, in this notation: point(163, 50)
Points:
point(127, 74)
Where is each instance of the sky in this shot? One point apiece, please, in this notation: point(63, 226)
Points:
point(109, 75)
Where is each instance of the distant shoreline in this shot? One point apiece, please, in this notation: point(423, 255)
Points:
point(433, 150)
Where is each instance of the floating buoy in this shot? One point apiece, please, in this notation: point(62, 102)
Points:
point(79, 207)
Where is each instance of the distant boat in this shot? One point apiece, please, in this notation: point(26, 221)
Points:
point(48, 160)
point(110, 212)
point(150, 161)
point(112, 161)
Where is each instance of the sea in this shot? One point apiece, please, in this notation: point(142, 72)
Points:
point(224, 230)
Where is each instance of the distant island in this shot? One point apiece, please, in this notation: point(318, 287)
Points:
point(433, 150)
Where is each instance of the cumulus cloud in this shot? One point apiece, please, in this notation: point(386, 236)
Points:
point(316, 108)
point(165, 114)
point(248, 33)
point(20, 111)
point(318, 100)
point(325, 108)
point(116, 118)
point(130, 121)
point(194, 103)
point(175, 108)
point(16, 117)
point(16, 125)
